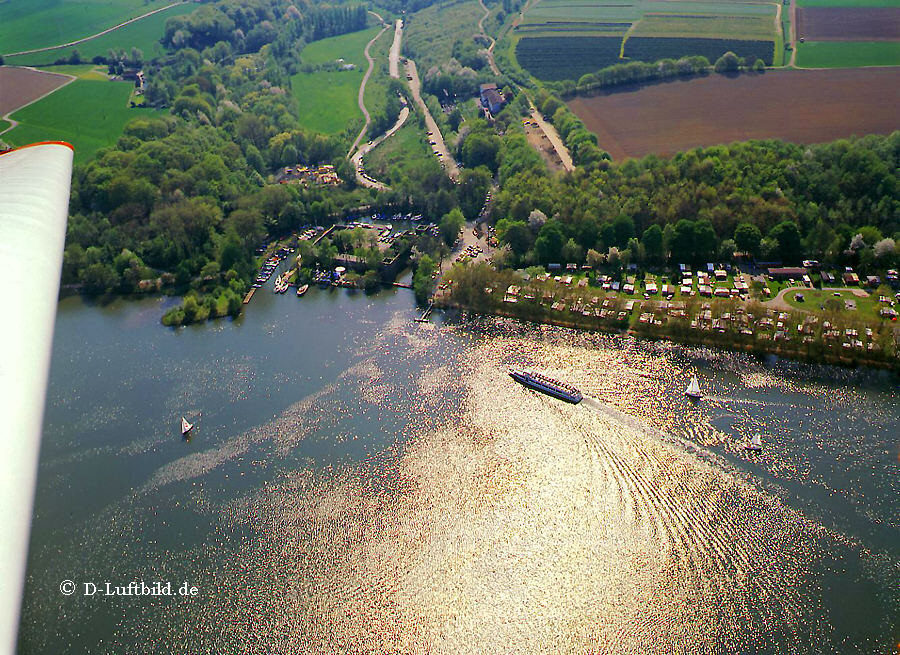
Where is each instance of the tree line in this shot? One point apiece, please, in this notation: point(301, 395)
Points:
point(775, 201)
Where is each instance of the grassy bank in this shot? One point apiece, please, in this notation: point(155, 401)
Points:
point(827, 336)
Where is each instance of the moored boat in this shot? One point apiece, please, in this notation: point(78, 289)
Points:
point(546, 385)
point(302, 289)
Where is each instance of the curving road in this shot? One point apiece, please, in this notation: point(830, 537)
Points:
point(362, 91)
point(481, 32)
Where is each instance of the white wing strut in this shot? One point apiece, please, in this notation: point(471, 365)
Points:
point(34, 203)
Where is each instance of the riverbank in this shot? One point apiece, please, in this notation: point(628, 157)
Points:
point(817, 336)
point(725, 341)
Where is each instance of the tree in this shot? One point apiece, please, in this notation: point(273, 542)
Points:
point(652, 240)
point(422, 280)
point(572, 252)
point(885, 248)
point(682, 245)
point(790, 245)
point(747, 237)
point(624, 227)
point(516, 234)
point(451, 224)
point(548, 246)
point(536, 220)
point(728, 63)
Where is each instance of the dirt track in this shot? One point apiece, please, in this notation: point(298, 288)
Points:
point(798, 106)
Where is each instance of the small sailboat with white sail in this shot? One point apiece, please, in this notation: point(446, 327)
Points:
point(693, 389)
point(185, 426)
point(755, 444)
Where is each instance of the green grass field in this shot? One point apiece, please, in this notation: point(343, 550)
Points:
point(815, 299)
point(718, 27)
point(847, 54)
point(144, 35)
point(29, 24)
point(406, 150)
point(327, 99)
point(89, 115)
point(348, 47)
point(3, 124)
point(376, 88)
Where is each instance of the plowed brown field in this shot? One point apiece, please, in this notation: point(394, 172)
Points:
point(19, 86)
point(797, 106)
point(848, 23)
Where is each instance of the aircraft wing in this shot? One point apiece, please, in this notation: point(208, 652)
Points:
point(34, 205)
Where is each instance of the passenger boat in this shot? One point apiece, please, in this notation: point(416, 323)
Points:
point(302, 290)
point(185, 426)
point(547, 385)
point(693, 389)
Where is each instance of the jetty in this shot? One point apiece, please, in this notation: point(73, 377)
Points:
point(249, 295)
point(426, 314)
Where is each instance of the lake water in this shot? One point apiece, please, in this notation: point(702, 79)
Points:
point(359, 482)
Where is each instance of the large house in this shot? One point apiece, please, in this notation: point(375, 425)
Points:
point(491, 98)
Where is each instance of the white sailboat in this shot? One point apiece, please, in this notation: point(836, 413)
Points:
point(693, 389)
point(755, 443)
point(185, 426)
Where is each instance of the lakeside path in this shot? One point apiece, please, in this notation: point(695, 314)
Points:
point(94, 36)
point(447, 161)
point(362, 87)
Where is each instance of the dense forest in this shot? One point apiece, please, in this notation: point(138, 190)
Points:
point(183, 201)
point(836, 202)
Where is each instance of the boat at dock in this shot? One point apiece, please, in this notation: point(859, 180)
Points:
point(693, 389)
point(546, 385)
point(302, 289)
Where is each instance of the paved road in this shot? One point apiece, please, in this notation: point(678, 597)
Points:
point(362, 92)
point(94, 36)
point(394, 57)
point(447, 161)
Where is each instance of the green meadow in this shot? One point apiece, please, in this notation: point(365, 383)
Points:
point(327, 98)
point(88, 114)
point(143, 34)
point(29, 24)
point(847, 54)
point(405, 150)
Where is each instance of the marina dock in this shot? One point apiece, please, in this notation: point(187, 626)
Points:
point(249, 295)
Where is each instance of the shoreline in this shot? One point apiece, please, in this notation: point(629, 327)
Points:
point(726, 342)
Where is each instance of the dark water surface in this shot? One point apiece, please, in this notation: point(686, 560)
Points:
point(358, 482)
